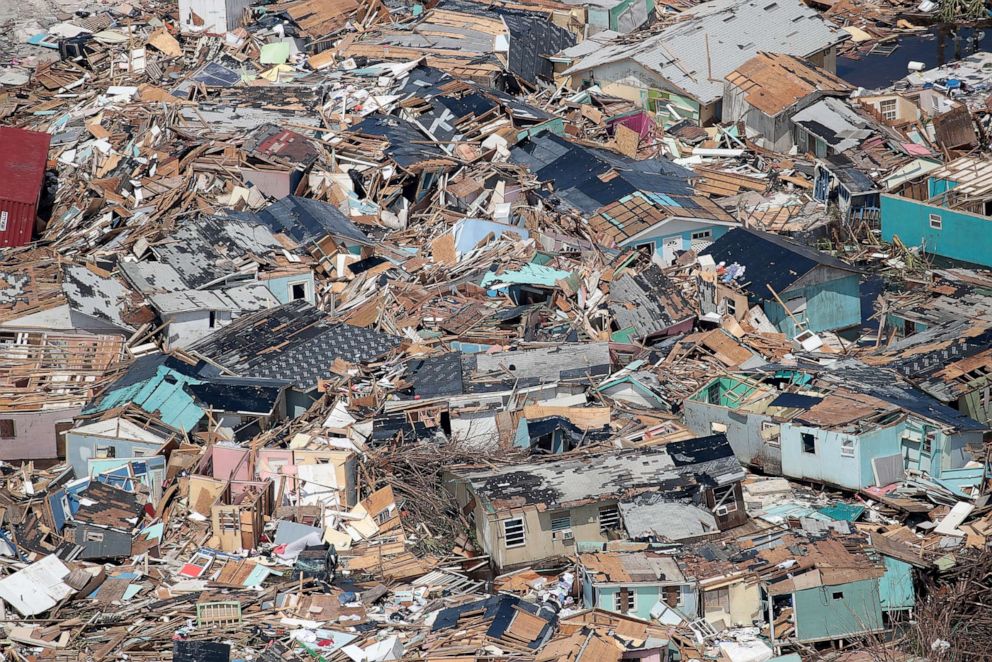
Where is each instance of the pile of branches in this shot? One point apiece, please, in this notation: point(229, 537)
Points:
point(415, 472)
point(954, 619)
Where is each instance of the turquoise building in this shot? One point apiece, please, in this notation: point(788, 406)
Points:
point(634, 583)
point(798, 288)
point(947, 214)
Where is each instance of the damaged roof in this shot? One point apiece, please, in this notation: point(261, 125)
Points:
point(294, 342)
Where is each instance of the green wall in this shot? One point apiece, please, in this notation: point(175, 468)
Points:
point(820, 614)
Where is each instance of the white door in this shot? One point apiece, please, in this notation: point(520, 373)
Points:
point(668, 249)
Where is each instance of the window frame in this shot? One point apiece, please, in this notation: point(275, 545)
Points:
point(613, 515)
point(558, 518)
point(8, 428)
point(522, 532)
point(721, 495)
point(631, 601)
point(936, 222)
point(808, 441)
point(847, 448)
point(884, 109)
point(701, 234)
point(293, 284)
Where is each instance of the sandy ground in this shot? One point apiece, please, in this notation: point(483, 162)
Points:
point(19, 20)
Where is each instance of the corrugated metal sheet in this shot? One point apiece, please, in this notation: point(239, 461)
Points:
point(22, 173)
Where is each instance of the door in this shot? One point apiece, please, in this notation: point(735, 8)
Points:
point(668, 249)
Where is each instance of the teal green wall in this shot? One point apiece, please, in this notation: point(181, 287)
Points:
point(820, 616)
point(896, 585)
point(647, 598)
point(963, 236)
point(831, 305)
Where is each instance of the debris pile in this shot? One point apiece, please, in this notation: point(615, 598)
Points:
point(367, 331)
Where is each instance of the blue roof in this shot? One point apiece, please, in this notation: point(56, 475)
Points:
point(156, 385)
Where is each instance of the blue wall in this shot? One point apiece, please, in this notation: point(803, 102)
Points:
point(834, 304)
point(963, 236)
point(80, 448)
point(716, 231)
point(280, 287)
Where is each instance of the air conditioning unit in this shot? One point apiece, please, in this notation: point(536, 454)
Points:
point(721, 511)
point(567, 535)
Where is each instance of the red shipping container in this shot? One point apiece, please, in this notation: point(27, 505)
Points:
point(23, 159)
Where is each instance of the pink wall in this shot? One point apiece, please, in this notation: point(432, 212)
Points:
point(226, 459)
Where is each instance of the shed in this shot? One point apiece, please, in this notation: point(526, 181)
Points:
point(22, 174)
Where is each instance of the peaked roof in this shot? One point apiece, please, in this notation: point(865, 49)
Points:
point(773, 82)
point(770, 260)
point(716, 37)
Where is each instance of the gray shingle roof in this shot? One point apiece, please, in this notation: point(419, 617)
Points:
point(734, 31)
point(294, 342)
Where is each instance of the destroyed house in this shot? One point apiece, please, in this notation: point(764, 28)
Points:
point(678, 73)
point(621, 16)
point(307, 221)
point(45, 380)
point(528, 513)
point(798, 288)
point(768, 89)
point(215, 251)
point(44, 294)
point(184, 397)
point(188, 315)
point(473, 41)
point(460, 112)
point(633, 583)
point(279, 159)
point(946, 213)
point(417, 163)
point(116, 436)
point(830, 591)
point(661, 224)
point(950, 361)
point(852, 432)
point(587, 178)
point(295, 343)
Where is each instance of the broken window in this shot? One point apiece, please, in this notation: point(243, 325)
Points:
point(672, 595)
point(730, 306)
point(609, 518)
point(624, 601)
point(847, 448)
point(105, 452)
point(929, 436)
point(92, 536)
point(513, 532)
point(213, 319)
point(7, 428)
point(837, 595)
point(809, 443)
point(717, 600)
point(725, 500)
point(713, 393)
point(298, 291)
